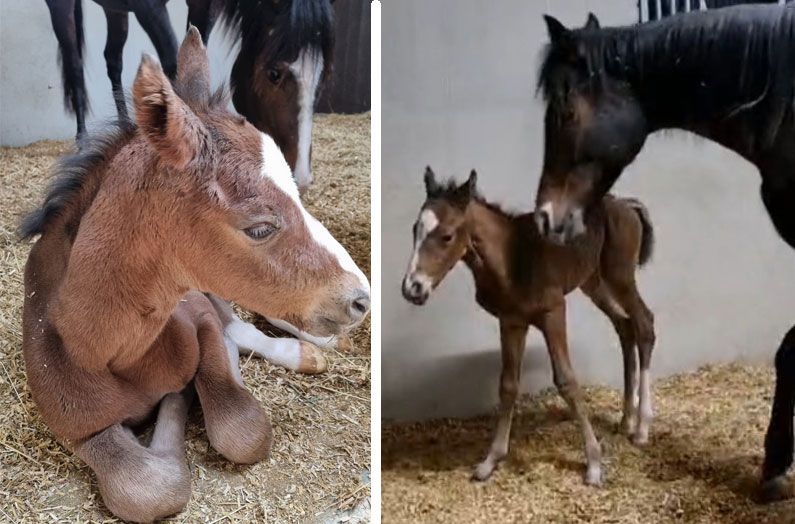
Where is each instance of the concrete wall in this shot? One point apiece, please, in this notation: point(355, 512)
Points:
point(458, 92)
point(31, 97)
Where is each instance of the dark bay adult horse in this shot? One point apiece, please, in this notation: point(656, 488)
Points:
point(727, 75)
point(285, 54)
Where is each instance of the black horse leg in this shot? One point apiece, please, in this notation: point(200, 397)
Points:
point(203, 14)
point(153, 17)
point(114, 50)
point(65, 22)
point(778, 193)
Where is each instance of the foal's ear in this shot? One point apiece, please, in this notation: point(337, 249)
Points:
point(557, 31)
point(193, 70)
point(464, 193)
point(166, 121)
point(432, 187)
point(592, 23)
point(472, 182)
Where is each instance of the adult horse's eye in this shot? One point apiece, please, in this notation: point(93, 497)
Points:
point(274, 75)
point(261, 231)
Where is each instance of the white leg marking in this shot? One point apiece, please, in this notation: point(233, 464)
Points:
point(275, 168)
point(646, 411)
point(322, 342)
point(234, 356)
point(285, 352)
point(307, 70)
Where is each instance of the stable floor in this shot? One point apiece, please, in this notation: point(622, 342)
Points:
point(321, 456)
point(701, 465)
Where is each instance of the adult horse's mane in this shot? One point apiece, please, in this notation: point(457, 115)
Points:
point(280, 30)
point(721, 63)
point(73, 173)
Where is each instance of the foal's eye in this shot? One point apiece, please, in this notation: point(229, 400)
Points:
point(274, 75)
point(260, 231)
point(447, 238)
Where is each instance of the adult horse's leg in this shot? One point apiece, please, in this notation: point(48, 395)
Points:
point(153, 17)
point(601, 297)
point(203, 14)
point(114, 50)
point(553, 326)
point(512, 339)
point(289, 353)
point(778, 192)
point(237, 425)
point(66, 17)
point(137, 483)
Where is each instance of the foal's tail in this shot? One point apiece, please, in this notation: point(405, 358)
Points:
point(647, 233)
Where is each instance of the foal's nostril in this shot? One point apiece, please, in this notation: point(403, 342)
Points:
point(416, 288)
point(360, 305)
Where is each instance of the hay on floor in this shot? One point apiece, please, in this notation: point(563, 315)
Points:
point(321, 453)
point(701, 466)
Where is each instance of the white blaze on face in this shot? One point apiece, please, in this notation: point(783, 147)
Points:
point(275, 168)
point(426, 223)
point(307, 70)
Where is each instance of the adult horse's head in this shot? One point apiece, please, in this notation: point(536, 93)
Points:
point(285, 54)
point(441, 236)
point(221, 195)
point(594, 127)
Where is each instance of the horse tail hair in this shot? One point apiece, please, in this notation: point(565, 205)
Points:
point(70, 79)
point(647, 230)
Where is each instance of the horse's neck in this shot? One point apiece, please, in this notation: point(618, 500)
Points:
point(491, 233)
point(116, 293)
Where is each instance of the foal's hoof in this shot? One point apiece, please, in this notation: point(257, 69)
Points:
point(312, 359)
point(483, 471)
point(777, 488)
point(593, 476)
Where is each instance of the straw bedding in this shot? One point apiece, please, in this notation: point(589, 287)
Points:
point(321, 456)
point(701, 466)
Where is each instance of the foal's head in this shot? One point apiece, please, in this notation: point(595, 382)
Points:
point(594, 127)
point(230, 207)
point(441, 236)
point(285, 53)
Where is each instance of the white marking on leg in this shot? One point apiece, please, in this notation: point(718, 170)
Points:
point(234, 356)
point(307, 70)
point(285, 352)
point(323, 342)
point(646, 411)
point(275, 168)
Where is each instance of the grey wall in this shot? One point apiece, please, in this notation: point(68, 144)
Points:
point(458, 92)
point(31, 98)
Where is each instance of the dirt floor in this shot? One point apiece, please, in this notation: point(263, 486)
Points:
point(701, 466)
point(321, 455)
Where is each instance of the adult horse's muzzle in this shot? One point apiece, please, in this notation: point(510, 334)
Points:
point(560, 229)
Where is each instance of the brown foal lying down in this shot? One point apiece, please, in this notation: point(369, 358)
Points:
point(522, 279)
point(139, 223)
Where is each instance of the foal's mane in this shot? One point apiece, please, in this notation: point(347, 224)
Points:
point(447, 191)
point(280, 30)
point(72, 174)
point(727, 60)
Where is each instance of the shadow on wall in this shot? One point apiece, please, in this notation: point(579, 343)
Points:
point(459, 384)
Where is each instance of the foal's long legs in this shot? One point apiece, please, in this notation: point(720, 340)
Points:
point(553, 326)
point(512, 338)
point(137, 483)
point(114, 51)
point(237, 425)
point(601, 297)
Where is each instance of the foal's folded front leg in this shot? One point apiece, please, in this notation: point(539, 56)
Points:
point(512, 338)
point(237, 425)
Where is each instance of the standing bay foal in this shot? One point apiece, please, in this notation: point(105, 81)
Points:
point(139, 223)
point(522, 279)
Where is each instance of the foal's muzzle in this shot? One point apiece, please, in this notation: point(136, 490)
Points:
point(415, 291)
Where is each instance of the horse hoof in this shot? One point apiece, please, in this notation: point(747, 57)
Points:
point(777, 488)
point(312, 359)
point(628, 425)
point(640, 438)
point(593, 477)
point(344, 344)
point(483, 471)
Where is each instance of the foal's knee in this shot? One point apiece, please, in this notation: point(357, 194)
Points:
point(154, 488)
